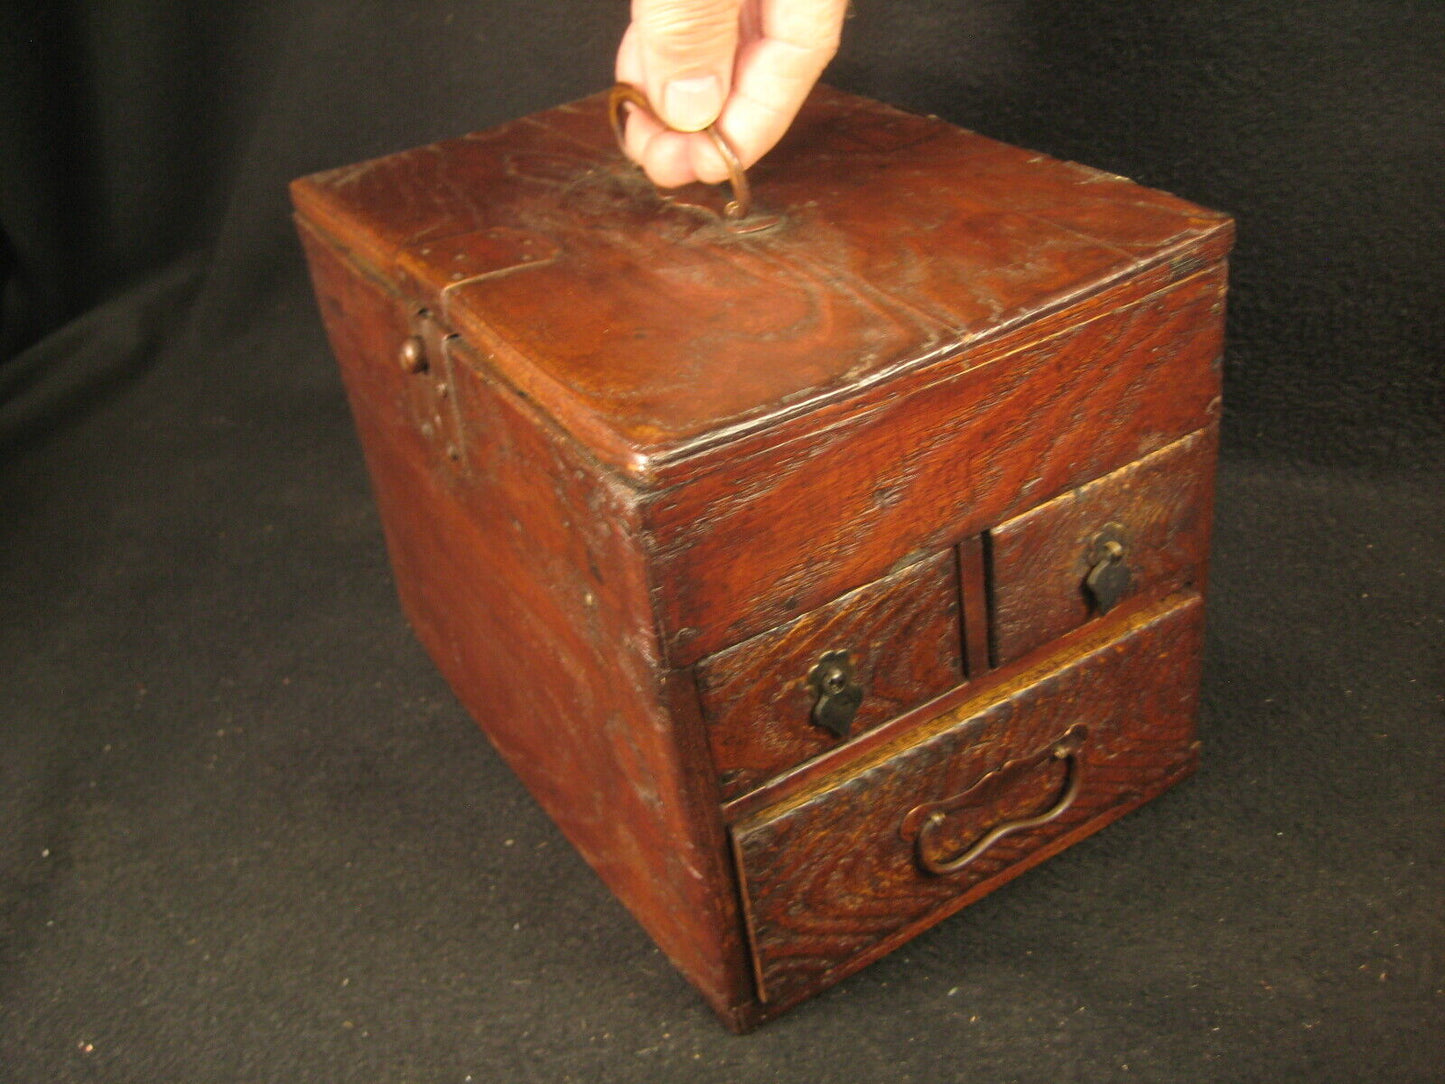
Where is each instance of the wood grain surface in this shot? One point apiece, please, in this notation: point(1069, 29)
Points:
point(1039, 560)
point(831, 880)
point(647, 329)
point(903, 638)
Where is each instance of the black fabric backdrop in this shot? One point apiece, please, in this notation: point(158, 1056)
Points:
point(247, 834)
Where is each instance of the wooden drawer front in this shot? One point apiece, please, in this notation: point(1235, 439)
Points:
point(903, 642)
point(1157, 508)
point(835, 877)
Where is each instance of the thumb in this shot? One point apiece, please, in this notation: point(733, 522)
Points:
point(687, 50)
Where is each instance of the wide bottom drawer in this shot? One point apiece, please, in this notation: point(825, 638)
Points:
point(836, 876)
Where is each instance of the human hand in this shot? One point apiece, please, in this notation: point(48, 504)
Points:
point(746, 65)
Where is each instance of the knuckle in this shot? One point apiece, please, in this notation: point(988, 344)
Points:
point(687, 28)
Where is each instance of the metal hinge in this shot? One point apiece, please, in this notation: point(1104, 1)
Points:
point(427, 359)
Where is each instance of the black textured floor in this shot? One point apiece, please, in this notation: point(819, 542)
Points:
point(246, 834)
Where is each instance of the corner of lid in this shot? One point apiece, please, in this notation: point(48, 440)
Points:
point(640, 467)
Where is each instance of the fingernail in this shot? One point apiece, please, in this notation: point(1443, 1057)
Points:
point(691, 104)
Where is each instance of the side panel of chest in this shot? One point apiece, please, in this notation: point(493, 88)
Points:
point(518, 566)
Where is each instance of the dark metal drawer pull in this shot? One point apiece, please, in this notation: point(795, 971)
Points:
point(838, 694)
point(930, 817)
point(1109, 578)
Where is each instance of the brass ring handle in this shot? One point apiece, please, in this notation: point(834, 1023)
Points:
point(742, 202)
point(935, 815)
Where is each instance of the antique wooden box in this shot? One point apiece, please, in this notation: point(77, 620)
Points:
point(818, 579)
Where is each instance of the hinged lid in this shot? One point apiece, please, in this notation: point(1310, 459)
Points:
point(651, 332)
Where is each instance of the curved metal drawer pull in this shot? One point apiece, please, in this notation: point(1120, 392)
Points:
point(935, 814)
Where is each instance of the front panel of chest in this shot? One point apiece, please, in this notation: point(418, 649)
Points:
point(1017, 668)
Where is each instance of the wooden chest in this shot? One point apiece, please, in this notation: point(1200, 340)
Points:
point(818, 579)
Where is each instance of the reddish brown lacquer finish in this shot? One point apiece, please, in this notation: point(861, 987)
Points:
point(832, 878)
point(640, 472)
point(902, 635)
point(1159, 508)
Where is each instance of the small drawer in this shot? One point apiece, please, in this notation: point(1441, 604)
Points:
point(1141, 530)
point(879, 650)
point(835, 876)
